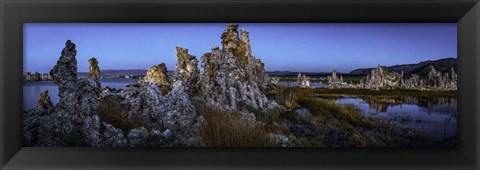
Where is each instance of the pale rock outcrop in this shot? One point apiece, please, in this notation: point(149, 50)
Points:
point(334, 78)
point(382, 78)
point(303, 80)
point(414, 82)
point(231, 77)
point(186, 70)
point(435, 79)
point(274, 80)
point(174, 111)
point(157, 75)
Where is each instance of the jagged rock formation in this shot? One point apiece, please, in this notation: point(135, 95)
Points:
point(334, 78)
point(303, 81)
point(93, 70)
point(157, 75)
point(382, 78)
point(75, 114)
point(186, 70)
point(231, 76)
point(414, 82)
point(438, 80)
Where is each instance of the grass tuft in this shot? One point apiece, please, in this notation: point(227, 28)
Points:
point(231, 130)
point(286, 96)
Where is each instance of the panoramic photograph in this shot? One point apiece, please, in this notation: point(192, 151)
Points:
point(330, 85)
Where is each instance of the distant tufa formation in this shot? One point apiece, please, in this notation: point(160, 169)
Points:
point(381, 78)
point(229, 79)
point(334, 78)
point(37, 76)
point(303, 81)
point(94, 70)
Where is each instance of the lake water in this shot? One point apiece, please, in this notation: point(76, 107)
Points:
point(438, 118)
point(32, 89)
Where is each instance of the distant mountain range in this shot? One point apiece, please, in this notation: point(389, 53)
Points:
point(421, 69)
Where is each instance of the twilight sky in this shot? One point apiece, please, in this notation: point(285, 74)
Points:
point(294, 47)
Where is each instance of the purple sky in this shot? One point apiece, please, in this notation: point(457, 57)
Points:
point(294, 47)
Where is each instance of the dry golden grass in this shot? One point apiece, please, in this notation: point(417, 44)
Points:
point(231, 130)
point(110, 111)
point(286, 96)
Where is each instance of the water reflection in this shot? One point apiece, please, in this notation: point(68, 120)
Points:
point(437, 117)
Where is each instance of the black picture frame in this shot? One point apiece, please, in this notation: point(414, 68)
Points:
point(466, 13)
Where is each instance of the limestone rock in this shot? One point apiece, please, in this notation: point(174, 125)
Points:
point(382, 78)
point(435, 79)
point(186, 70)
point(230, 37)
point(231, 76)
point(94, 70)
point(75, 114)
point(303, 81)
point(334, 78)
point(157, 75)
point(112, 137)
point(281, 140)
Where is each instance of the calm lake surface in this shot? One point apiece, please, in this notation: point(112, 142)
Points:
point(437, 118)
point(32, 90)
